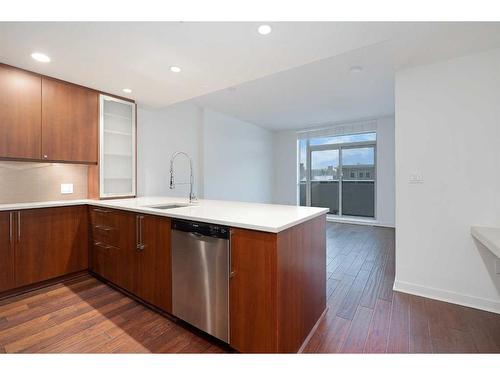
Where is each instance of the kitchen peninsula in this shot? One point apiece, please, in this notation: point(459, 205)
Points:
point(277, 265)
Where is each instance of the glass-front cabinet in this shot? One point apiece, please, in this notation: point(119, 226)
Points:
point(117, 151)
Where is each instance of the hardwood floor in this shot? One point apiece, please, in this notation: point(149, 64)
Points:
point(84, 315)
point(366, 316)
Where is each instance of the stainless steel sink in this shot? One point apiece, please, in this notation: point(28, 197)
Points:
point(168, 206)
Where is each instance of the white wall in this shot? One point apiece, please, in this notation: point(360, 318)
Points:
point(448, 130)
point(160, 133)
point(285, 167)
point(386, 186)
point(232, 159)
point(237, 159)
point(285, 170)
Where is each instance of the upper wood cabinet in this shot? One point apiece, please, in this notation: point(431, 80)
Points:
point(20, 114)
point(69, 122)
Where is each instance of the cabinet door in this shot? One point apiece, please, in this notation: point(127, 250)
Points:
point(20, 114)
point(6, 251)
point(69, 122)
point(124, 257)
point(153, 279)
point(252, 291)
point(117, 153)
point(51, 242)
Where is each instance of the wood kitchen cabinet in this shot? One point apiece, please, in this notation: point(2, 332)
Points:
point(50, 242)
point(133, 251)
point(153, 281)
point(277, 290)
point(69, 122)
point(7, 280)
point(112, 250)
point(20, 114)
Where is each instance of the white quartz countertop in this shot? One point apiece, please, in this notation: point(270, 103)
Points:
point(257, 216)
point(489, 237)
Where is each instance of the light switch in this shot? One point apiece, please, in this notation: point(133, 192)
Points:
point(66, 188)
point(497, 266)
point(416, 178)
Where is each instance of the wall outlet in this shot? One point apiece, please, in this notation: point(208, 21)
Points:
point(66, 188)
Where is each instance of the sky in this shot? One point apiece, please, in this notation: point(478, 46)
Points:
point(323, 159)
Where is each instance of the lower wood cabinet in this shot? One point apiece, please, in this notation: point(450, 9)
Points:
point(7, 280)
point(252, 291)
point(277, 290)
point(50, 242)
point(133, 251)
point(41, 244)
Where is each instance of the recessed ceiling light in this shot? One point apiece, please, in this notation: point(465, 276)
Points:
point(175, 69)
point(128, 91)
point(356, 69)
point(41, 57)
point(264, 29)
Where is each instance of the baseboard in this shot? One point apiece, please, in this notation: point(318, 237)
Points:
point(448, 296)
point(373, 223)
point(41, 284)
point(312, 332)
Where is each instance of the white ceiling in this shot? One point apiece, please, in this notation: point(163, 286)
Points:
point(294, 77)
point(326, 91)
point(213, 55)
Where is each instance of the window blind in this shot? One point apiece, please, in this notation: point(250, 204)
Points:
point(339, 129)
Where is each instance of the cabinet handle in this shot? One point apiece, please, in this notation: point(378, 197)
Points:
point(10, 227)
point(231, 272)
point(138, 232)
point(18, 226)
point(100, 244)
point(100, 210)
point(102, 227)
point(45, 156)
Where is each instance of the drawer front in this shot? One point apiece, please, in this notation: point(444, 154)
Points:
point(106, 235)
point(102, 260)
point(103, 217)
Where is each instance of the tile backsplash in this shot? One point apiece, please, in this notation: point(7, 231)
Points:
point(35, 182)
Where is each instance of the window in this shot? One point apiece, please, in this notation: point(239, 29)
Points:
point(341, 174)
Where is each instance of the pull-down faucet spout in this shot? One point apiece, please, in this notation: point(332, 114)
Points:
point(192, 197)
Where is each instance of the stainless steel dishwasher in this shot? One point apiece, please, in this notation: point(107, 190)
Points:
point(200, 276)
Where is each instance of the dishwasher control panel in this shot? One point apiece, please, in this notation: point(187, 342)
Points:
point(205, 229)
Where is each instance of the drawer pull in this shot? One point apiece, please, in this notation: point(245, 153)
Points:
point(102, 227)
point(101, 211)
point(103, 246)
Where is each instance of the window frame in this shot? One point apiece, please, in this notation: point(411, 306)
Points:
point(339, 146)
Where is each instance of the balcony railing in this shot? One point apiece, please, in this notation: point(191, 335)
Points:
point(358, 196)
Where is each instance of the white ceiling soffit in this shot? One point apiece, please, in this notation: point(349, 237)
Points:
point(111, 56)
point(326, 91)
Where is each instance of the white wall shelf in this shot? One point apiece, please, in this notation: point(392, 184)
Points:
point(117, 148)
point(489, 237)
point(115, 132)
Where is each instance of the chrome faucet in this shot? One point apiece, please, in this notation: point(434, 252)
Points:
point(192, 197)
